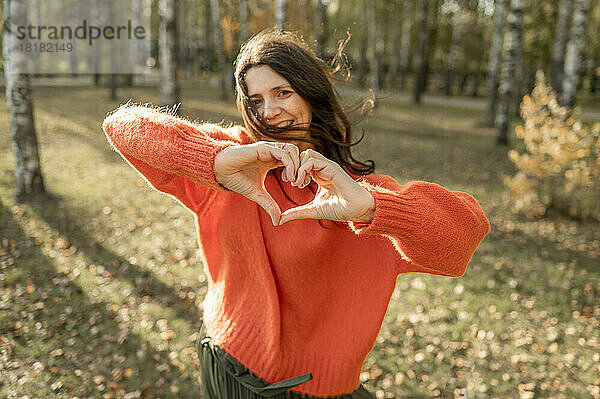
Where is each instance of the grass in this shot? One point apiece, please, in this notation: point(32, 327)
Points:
point(101, 283)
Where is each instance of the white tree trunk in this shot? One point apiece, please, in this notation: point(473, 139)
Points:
point(511, 45)
point(169, 84)
point(573, 56)
point(321, 28)
point(560, 43)
point(134, 45)
point(494, 60)
point(38, 18)
point(280, 14)
point(28, 173)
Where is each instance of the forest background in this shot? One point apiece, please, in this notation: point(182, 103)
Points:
point(101, 278)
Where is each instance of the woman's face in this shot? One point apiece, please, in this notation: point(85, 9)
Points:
point(277, 102)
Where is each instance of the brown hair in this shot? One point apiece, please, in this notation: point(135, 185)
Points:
point(288, 55)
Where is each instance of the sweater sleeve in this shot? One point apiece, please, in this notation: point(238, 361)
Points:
point(174, 155)
point(433, 230)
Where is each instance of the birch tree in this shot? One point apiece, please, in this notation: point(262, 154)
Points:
point(494, 60)
point(280, 14)
point(573, 56)
point(421, 54)
point(38, 19)
point(219, 47)
point(28, 173)
point(135, 46)
point(560, 44)
point(511, 44)
point(321, 28)
point(169, 84)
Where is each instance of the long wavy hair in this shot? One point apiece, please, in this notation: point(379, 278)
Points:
point(330, 131)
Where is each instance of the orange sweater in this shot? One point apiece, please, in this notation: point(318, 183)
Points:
point(297, 298)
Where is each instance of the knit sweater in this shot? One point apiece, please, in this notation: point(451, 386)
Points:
point(301, 297)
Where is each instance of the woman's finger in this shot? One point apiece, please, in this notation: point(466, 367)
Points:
point(311, 164)
point(267, 202)
point(310, 153)
point(290, 166)
point(294, 152)
point(306, 181)
point(278, 156)
point(308, 211)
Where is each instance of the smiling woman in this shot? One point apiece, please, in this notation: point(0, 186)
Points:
point(286, 60)
point(295, 298)
point(277, 103)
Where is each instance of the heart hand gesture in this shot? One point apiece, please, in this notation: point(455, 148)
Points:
point(243, 169)
point(339, 197)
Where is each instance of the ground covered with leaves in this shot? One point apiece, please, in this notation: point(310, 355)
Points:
point(101, 282)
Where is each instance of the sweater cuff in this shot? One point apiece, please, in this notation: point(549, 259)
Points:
point(394, 213)
point(196, 159)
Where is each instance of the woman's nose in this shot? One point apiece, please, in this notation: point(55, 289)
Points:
point(270, 111)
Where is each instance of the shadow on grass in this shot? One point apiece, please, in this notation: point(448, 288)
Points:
point(50, 209)
point(63, 323)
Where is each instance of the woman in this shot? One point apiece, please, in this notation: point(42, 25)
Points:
point(295, 298)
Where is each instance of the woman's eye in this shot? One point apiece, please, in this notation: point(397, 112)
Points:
point(285, 93)
point(256, 102)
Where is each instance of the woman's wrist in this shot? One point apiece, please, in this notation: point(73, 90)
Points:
point(368, 214)
point(219, 163)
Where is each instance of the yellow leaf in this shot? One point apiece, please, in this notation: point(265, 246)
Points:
point(30, 287)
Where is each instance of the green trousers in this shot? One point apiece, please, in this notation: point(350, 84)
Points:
point(223, 377)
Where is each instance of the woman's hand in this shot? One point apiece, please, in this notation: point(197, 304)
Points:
point(339, 197)
point(243, 169)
